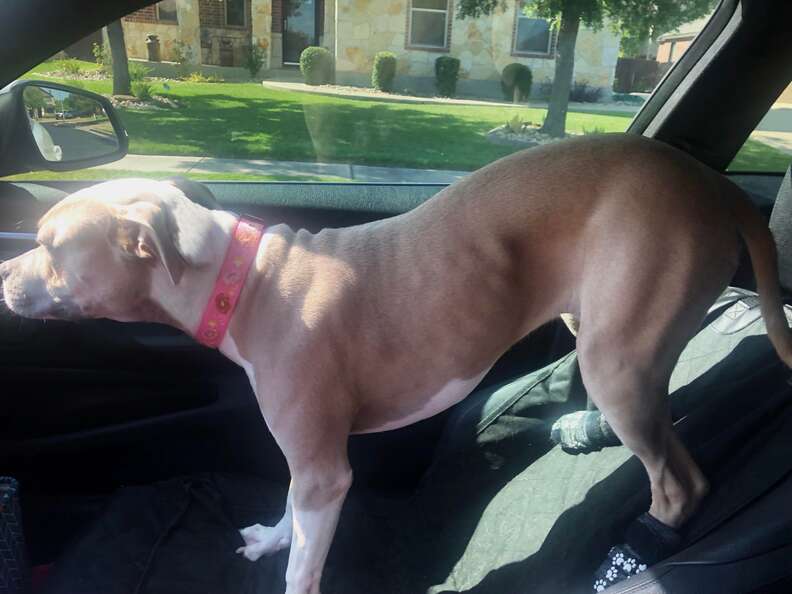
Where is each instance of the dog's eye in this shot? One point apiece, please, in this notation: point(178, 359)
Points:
point(48, 246)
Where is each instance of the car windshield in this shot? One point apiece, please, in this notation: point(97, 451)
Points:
point(425, 91)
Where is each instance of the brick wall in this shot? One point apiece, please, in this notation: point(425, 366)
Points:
point(144, 15)
point(277, 16)
point(212, 14)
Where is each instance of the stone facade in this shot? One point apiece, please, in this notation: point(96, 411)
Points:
point(223, 44)
point(355, 30)
point(202, 27)
point(484, 47)
point(144, 22)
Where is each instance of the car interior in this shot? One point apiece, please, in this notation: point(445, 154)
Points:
point(138, 451)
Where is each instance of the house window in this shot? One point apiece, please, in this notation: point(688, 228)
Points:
point(235, 13)
point(532, 35)
point(429, 23)
point(166, 11)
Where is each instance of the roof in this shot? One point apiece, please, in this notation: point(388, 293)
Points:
point(688, 30)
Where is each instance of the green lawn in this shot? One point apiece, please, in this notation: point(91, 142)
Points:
point(247, 120)
point(55, 65)
point(757, 157)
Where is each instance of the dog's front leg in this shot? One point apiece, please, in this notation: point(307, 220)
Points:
point(265, 540)
point(312, 431)
point(319, 493)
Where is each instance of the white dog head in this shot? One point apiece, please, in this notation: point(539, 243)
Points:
point(99, 250)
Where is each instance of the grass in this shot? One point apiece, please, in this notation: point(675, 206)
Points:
point(757, 157)
point(246, 120)
point(97, 174)
point(58, 65)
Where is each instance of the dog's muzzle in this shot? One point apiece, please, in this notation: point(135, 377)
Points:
point(25, 293)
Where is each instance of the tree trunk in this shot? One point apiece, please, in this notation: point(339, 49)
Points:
point(555, 122)
point(115, 35)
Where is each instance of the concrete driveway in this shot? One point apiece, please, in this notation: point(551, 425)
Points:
point(775, 129)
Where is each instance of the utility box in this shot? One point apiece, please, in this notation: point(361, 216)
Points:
point(153, 48)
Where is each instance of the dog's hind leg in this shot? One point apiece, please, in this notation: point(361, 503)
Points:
point(633, 397)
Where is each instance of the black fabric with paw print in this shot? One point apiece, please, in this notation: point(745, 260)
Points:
point(622, 562)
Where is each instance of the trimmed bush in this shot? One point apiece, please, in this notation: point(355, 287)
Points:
point(516, 80)
point(384, 71)
point(316, 65)
point(446, 75)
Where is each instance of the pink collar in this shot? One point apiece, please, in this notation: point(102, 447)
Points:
point(241, 252)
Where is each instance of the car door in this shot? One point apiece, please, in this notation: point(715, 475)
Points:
point(93, 405)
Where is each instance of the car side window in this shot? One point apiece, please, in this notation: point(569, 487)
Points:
point(769, 147)
point(312, 91)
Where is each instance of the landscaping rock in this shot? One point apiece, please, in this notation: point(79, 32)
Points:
point(83, 75)
point(156, 102)
point(528, 136)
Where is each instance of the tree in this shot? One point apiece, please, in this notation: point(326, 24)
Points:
point(634, 18)
point(115, 35)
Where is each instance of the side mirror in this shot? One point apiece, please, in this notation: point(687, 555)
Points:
point(46, 125)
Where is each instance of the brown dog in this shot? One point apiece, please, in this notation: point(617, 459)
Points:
point(377, 326)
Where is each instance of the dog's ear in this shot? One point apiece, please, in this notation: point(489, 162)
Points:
point(143, 230)
point(195, 191)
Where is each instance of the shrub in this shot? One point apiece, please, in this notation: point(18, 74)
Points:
point(516, 80)
point(446, 75)
point(182, 54)
point(138, 71)
point(254, 59)
point(141, 90)
point(102, 56)
point(582, 93)
point(628, 98)
point(384, 71)
point(61, 55)
point(316, 65)
point(596, 130)
point(72, 67)
point(516, 124)
point(200, 77)
point(545, 89)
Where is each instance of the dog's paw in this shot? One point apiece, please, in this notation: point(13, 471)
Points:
point(263, 540)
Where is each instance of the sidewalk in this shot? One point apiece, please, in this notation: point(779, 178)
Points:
point(357, 173)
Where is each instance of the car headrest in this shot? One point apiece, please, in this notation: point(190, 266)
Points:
point(781, 227)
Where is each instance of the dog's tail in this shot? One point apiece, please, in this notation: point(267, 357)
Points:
point(764, 259)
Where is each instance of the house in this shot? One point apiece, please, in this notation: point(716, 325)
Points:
point(672, 45)
point(218, 32)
